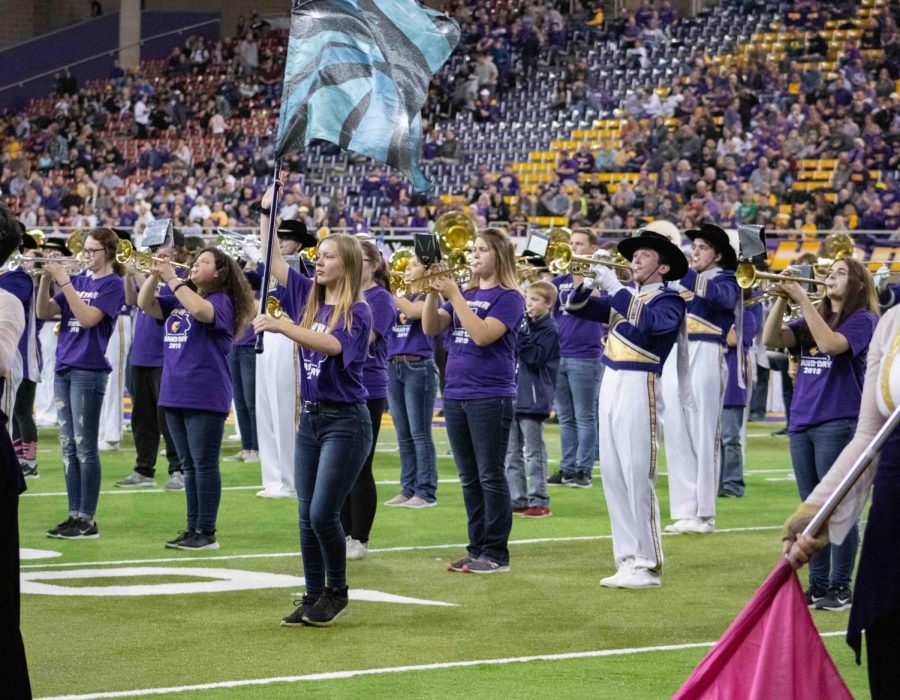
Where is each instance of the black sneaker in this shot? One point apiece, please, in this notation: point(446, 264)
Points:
point(328, 608)
point(459, 564)
point(197, 540)
point(29, 471)
point(304, 605)
point(838, 598)
point(555, 479)
point(182, 536)
point(54, 531)
point(79, 529)
point(815, 594)
point(582, 481)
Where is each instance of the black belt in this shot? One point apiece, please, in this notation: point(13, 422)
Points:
point(407, 358)
point(314, 407)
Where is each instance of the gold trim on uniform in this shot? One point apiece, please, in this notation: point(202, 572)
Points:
point(619, 349)
point(886, 365)
point(651, 397)
point(636, 305)
point(695, 324)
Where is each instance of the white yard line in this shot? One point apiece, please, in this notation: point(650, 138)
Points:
point(338, 675)
point(411, 548)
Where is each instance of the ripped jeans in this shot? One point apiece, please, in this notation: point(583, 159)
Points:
point(79, 396)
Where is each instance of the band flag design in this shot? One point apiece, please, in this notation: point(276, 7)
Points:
point(357, 75)
point(771, 650)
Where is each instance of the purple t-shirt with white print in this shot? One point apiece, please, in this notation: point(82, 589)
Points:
point(408, 338)
point(331, 378)
point(488, 371)
point(85, 348)
point(828, 388)
point(375, 375)
point(195, 356)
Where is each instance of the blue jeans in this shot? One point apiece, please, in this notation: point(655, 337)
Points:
point(527, 456)
point(331, 448)
point(813, 451)
point(242, 364)
point(412, 387)
point(79, 396)
point(577, 389)
point(478, 430)
point(731, 478)
point(198, 438)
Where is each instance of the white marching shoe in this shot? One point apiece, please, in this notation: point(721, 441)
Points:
point(639, 578)
point(356, 549)
point(613, 581)
point(695, 526)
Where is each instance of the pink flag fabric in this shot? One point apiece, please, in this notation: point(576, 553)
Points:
point(771, 650)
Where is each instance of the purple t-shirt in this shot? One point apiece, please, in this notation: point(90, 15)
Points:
point(408, 338)
point(828, 388)
point(147, 346)
point(578, 337)
point(331, 378)
point(195, 356)
point(18, 283)
point(85, 348)
point(475, 372)
point(375, 375)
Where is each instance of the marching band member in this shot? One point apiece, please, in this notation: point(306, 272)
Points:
point(480, 387)
point(827, 392)
point(48, 337)
point(88, 304)
point(644, 323)
point(692, 434)
point(278, 387)
point(876, 603)
point(578, 381)
point(113, 407)
point(358, 512)
point(331, 326)
point(412, 388)
point(148, 420)
point(202, 317)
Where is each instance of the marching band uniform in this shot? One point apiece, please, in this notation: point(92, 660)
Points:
point(44, 406)
point(692, 434)
point(644, 323)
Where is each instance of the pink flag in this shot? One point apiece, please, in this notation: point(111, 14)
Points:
point(771, 650)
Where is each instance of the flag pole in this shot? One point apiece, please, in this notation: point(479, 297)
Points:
point(273, 208)
point(862, 463)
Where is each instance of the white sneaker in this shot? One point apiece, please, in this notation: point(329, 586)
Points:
point(269, 492)
point(680, 526)
point(356, 549)
point(416, 502)
point(701, 526)
point(104, 446)
point(613, 581)
point(397, 500)
point(251, 456)
point(234, 437)
point(639, 578)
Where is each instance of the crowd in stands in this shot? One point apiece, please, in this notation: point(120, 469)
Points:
point(724, 141)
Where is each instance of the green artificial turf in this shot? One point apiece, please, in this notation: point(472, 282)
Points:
point(550, 603)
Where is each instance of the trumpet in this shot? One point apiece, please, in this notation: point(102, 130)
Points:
point(748, 276)
point(34, 264)
point(400, 286)
point(142, 260)
point(239, 246)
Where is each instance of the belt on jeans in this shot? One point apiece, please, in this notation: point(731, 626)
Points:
point(406, 358)
point(314, 407)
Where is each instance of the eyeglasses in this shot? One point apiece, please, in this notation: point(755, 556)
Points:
point(89, 252)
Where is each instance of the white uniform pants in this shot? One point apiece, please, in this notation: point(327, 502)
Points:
point(277, 415)
point(112, 411)
point(629, 405)
point(44, 407)
point(692, 436)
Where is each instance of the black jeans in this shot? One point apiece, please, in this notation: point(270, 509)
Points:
point(358, 512)
point(24, 428)
point(148, 421)
point(882, 652)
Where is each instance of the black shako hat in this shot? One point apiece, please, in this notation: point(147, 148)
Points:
point(672, 254)
point(718, 239)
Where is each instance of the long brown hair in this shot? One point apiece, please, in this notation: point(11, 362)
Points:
point(504, 257)
point(860, 296)
point(380, 274)
point(232, 282)
point(349, 251)
point(108, 239)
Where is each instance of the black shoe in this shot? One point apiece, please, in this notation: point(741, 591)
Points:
point(328, 608)
point(197, 540)
point(815, 594)
point(779, 433)
point(182, 536)
point(582, 481)
point(556, 479)
point(295, 619)
point(54, 531)
point(838, 598)
point(29, 471)
point(79, 529)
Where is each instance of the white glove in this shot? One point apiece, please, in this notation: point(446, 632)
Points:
point(606, 279)
point(590, 282)
point(881, 278)
point(676, 286)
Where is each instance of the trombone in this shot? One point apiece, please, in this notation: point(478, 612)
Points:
point(142, 260)
point(560, 258)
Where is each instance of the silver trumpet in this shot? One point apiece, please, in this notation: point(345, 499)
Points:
point(34, 264)
point(239, 246)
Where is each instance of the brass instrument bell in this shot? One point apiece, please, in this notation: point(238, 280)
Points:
point(274, 308)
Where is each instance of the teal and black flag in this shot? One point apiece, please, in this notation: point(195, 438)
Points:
point(357, 75)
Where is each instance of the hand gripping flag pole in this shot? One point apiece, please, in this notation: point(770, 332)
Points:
point(273, 209)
